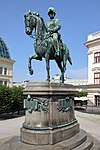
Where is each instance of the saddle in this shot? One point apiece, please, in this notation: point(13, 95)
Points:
point(48, 35)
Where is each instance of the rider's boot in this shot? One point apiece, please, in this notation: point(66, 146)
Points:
point(57, 49)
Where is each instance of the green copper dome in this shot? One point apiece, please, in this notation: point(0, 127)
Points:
point(4, 50)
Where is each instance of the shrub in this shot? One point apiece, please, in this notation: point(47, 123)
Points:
point(11, 99)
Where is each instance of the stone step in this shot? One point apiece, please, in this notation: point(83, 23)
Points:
point(75, 141)
point(96, 145)
point(86, 145)
point(68, 144)
point(80, 141)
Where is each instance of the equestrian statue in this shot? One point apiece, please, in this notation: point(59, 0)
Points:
point(47, 41)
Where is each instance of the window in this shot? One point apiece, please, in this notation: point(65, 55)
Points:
point(5, 83)
point(97, 78)
point(5, 71)
point(97, 100)
point(1, 70)
point(97, 57)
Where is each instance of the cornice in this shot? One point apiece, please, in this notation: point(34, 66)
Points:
point(96, 69)
point(5, 76)
point(89, 53)
point(92, 42)
point(5, 60)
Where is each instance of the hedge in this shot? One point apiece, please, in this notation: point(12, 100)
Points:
point(11, 99)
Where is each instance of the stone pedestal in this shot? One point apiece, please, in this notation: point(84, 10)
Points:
point(50, 122)
point(49, 115)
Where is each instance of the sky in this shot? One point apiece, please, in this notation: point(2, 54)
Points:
point(79, 18)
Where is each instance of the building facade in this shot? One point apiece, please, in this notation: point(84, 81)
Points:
point(93, 45)
point(6, 65)
point(75, 82)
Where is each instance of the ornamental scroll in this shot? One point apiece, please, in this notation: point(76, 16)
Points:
point(65, 104)
point(35, 104)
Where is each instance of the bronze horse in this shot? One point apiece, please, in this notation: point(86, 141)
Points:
point(43, 45)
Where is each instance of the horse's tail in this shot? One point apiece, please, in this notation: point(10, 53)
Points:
point(66, 49)
point(70, 60)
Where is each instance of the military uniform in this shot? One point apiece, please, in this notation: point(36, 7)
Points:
point(53, 26)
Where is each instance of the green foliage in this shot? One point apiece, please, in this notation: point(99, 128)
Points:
point(17, 98)
point(5, 95)
point(81, 94)
point(11, 99)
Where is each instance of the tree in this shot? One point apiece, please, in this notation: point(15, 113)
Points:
point(81, 93)
point(5, 95)
point(17, 98)
point(11, 99)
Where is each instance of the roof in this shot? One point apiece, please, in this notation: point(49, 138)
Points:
point(4, 50)
point(81, 98)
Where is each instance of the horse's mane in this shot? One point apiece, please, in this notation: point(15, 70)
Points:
point(37, 14)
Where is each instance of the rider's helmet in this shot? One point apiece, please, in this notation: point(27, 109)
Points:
point(51, 9)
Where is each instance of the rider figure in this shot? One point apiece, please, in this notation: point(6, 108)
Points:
point(53, 26)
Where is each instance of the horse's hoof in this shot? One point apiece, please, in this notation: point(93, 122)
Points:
point(48, 80)
point(31, 72)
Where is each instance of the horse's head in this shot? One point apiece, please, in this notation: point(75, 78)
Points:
point(30, 22)
point(33, 20)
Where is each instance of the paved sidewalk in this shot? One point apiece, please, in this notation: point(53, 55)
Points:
point(90, 123)
point(10, 127)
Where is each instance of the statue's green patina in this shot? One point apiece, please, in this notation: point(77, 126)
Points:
point(35, 104)
point(53, 26)
point(47, 41)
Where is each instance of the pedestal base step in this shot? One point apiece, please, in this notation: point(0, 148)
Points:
point(49, 137)
point(80, 141)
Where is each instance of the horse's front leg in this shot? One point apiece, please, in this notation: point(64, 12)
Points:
point(29, 65)
point(47, 66)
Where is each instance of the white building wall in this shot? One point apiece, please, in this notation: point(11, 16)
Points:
point(93, 45)
point(90, 96)
point(7, 63)
point(90, 73)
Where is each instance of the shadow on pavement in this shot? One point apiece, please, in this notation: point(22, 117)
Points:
point(11, 115)
point(90, 110)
